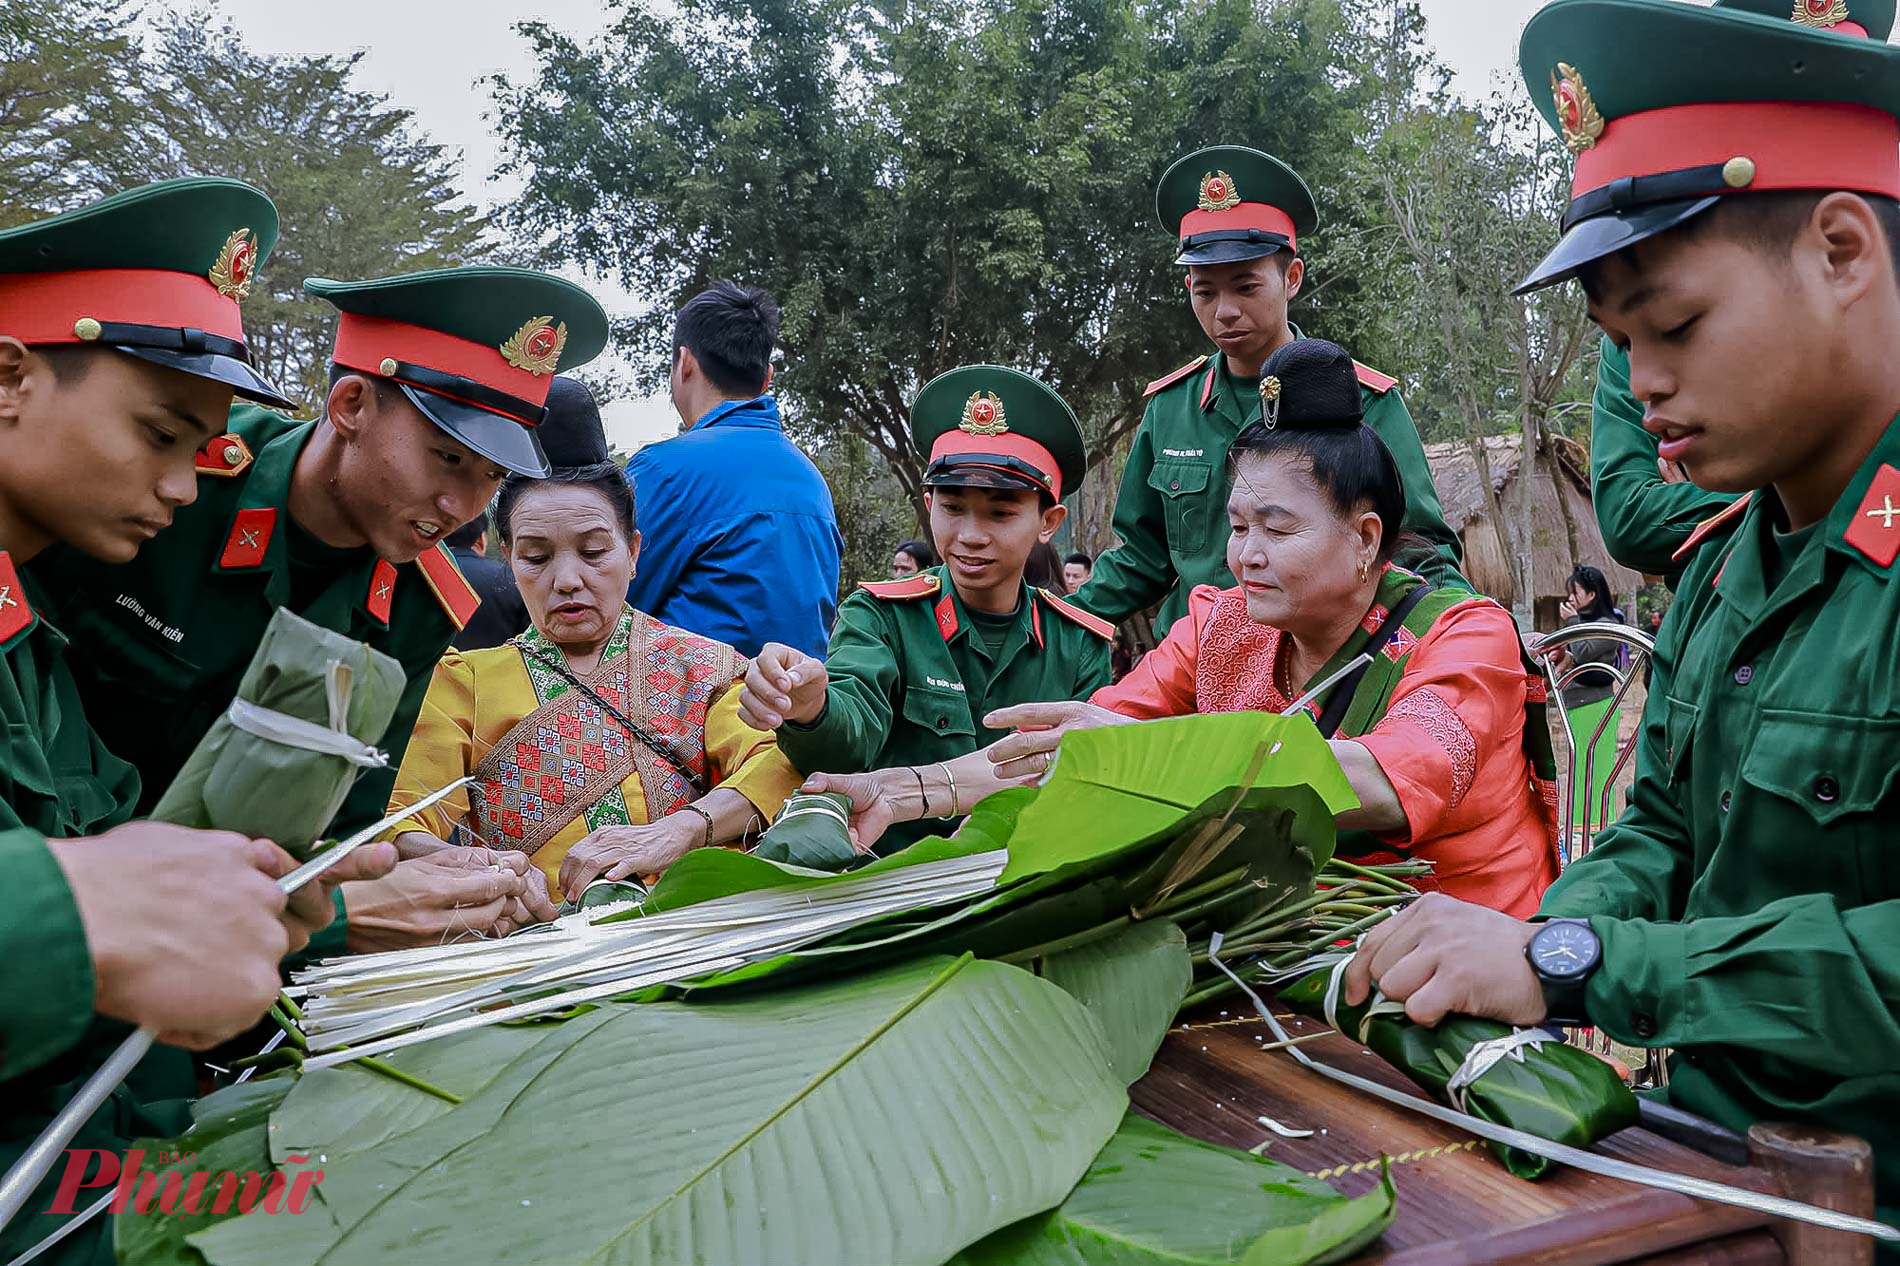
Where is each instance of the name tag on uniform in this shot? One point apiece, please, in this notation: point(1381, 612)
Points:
point(170, 633)
point(1184, 452)
point(941, 684)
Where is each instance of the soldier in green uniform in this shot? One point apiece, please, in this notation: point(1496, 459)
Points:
point(439, 382)
point(916, 664)
point(120, 348)
point(1645, 518)
point(1238, 215)
point(1735, 220)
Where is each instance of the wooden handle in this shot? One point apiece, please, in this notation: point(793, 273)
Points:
point(1834, 1171)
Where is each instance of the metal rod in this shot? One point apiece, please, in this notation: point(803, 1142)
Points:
point(1316, 691)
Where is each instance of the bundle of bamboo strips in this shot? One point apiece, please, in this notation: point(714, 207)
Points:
point(373, 1003)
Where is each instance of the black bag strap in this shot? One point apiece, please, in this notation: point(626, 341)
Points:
point(1341, 697)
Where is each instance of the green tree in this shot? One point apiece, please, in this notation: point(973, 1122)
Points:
point(360, 192)
point(69, 119)
point(924, 183)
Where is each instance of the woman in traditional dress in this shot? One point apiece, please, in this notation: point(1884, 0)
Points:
point(1442, 737)
point(602, 742)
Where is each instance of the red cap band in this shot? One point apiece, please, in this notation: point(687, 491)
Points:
point(1793, 144)
point(364, 342)
point(1245, 215)
point(43, 307)
point(961, 443)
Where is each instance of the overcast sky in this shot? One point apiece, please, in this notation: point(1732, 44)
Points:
point(428, 55)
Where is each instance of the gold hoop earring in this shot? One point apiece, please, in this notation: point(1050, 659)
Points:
point(1365, 570)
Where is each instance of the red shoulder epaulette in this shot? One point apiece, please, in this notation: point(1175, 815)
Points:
point(1093, 623)
point(450, 586)
point(224, 456)
point(1713, 522)
point(1373, 380)
point(922, 585)
point(1168, 380)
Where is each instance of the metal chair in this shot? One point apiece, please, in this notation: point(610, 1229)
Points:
point(1578, 837)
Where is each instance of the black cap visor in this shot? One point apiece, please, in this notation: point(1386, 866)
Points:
point(502, 440)
point(1601, 236)
point(967, 470)
point(229, 370)
point(1229, 246)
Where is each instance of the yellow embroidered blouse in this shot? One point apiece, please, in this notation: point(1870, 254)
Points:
point(679, 688)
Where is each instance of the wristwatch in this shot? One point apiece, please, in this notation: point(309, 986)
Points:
point(1564, 953)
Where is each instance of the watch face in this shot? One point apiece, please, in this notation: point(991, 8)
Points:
point(1565, 950)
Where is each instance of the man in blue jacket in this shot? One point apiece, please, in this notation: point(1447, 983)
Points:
point(739, 540)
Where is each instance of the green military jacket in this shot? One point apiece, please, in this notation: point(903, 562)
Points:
point(1643, 519)
point(161, 642)
point(911, 681)
point(1171, 514)
point(1748, 901)
point(57, 780)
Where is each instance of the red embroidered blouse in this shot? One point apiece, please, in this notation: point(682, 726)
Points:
point(1451, 741)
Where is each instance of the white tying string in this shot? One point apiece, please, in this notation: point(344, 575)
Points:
point(288, 731)
point(1485, 1056)
point(818, 805)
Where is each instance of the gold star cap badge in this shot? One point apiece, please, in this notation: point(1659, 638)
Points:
point(1821, 13)
point(237, 264)
point(536, 346)
point(983, 414)
point(1576, 110)
point(1218, 192)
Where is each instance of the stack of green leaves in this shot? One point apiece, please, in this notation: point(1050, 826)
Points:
point(882, 1097)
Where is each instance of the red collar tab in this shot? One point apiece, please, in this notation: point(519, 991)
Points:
point(382, 591)
point(1207, 388)
point(1748, 145)
point(1373, 380)
point(1168, 380)
point(223, 457)
point(16, 615)
point(70, 307)
point(1708, 525)
point(511, 380)
point(1875, 530)
point(1241, 215)
point(922, 585)
point(450, 586)
point(250, 537)
point(946, 617)
point(1035, 623)
point(1076, 615)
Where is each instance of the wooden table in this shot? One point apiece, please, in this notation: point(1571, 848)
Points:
point(1456, 1203)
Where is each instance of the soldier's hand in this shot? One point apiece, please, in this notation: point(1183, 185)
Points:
point(185, 927)
point(431, 900)
point(312, 907)
point(1039, 729)
point(782, 684)
point(1440, 955)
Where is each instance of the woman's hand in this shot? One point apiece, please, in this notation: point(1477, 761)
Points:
point(621, 852)
point(1567, 609)
point(531, 907)
point(1039, 729)
point(877, 803)
point(433, 899)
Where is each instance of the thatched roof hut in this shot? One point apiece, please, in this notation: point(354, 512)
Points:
point(1561, 512)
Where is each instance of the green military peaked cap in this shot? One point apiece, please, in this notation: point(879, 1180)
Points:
point(156, 272)
point(986, 426)
point(1228, 203)
point(475, 349)
point(1790, 95)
